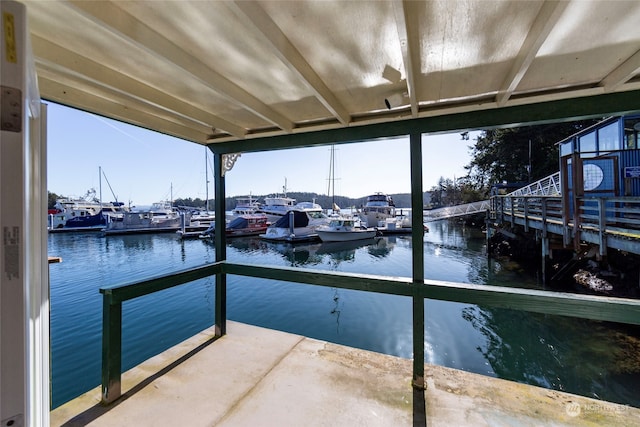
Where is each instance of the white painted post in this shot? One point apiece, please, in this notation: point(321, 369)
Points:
point(24, 291)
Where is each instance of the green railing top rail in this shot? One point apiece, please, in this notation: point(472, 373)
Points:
point(593, 307)
point(123, 292)
point(548, 302)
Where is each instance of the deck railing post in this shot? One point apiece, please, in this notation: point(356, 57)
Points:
point(543, 213)
point(111, 349)
point(545, 239)
point(513, 212)
point(526, 214)
point(602, 225)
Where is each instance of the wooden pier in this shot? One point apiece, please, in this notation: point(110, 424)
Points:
point(608, 222)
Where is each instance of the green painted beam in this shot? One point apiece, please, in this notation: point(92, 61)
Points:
point(544, 112)
point(116, 294)
point(548, 302)
point(357, 282)
point(620, 310)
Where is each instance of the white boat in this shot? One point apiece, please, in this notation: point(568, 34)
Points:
point(163, 208)
point(160, 217)
point(297, 225)
point(244, 206)
point(201, 218)
point(275, 207)
point(311, 207)
point(343, 229)
point(378, 208)
point(71, 208)
point(82, 214)
point(400, 224)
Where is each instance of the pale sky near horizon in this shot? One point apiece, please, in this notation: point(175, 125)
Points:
point(143, 167)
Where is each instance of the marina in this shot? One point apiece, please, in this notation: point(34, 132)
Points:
point(528, 348)
point(411, 327)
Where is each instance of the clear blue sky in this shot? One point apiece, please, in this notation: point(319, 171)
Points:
point(143, 166)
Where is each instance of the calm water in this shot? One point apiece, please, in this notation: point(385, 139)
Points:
point(590, 358)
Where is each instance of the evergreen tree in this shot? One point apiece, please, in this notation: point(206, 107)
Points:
point(524, 154)
point(51, 199)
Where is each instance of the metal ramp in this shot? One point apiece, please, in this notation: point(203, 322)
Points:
point(456, 211)
point(549, 186)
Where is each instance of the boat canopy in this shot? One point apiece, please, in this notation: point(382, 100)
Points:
point(239, 222)
point(300, 219)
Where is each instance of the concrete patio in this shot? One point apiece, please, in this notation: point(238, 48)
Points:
point(260, 377)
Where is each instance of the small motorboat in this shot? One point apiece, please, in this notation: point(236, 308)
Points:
point(242, 225)
point(344, 229)
point(296, 226)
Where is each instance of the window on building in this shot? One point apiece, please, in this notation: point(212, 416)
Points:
point(588, 145)
point(566, 148)
point(631, 130)
point(608, 139)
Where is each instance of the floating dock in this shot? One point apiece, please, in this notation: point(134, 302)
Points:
point(260, 377)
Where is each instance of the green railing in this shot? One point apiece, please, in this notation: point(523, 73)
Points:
point(564, 304)
point(112, 299)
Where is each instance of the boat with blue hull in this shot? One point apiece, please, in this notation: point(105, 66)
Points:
point(76, 215)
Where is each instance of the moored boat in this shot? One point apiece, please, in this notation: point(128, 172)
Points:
point(343, 229)
point(275, 207)
point(82, 214)
point(297, 225)
point(244, 206)
point(243, 225)
point(398, 225)
point(378, 208)
point(161, 217)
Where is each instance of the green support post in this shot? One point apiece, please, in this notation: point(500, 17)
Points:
point(111, 349)
point(221, 247)
point(417, 225)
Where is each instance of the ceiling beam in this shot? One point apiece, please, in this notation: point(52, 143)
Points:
point(111, 17)
point(111, 78)
point(88, 100)
point(623, 73)
point(616, 103)
point(542, 26)
point(408, 37)
point(69, 79)
point(282, 47)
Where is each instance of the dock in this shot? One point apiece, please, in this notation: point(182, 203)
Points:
point(260, 377)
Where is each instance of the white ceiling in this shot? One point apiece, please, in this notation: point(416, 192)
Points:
point(214, 71)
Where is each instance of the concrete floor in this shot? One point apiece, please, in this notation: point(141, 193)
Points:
point(260, 377)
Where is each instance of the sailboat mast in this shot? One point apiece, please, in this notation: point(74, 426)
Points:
point(206, 180)
point(100, 183)
point(331, 189)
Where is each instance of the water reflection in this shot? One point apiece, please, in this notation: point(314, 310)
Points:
point(596, 359)
point(330, 253)
point(297, 254)
point(242, 244)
